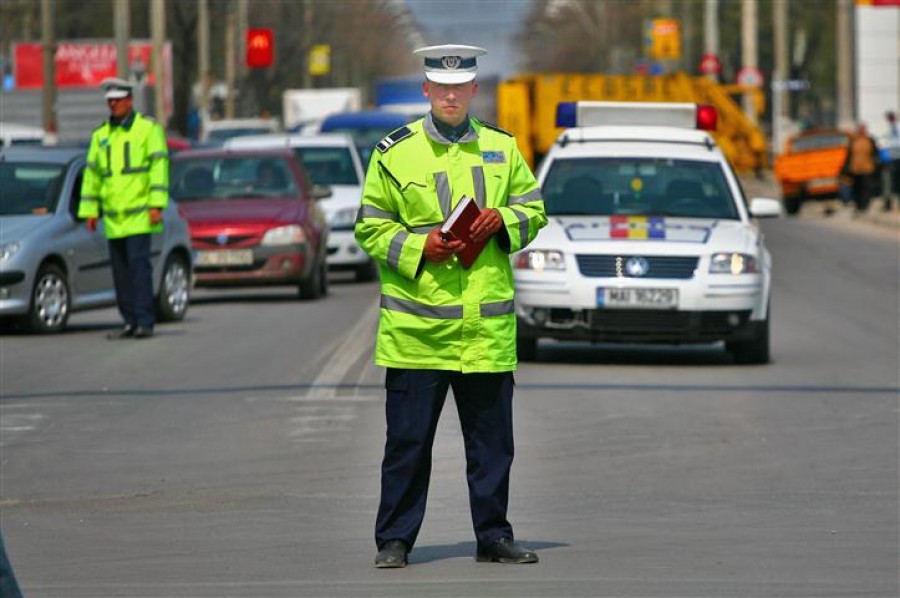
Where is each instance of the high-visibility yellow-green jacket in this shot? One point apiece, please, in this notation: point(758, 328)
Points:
point(442, 316)
point(127, 173)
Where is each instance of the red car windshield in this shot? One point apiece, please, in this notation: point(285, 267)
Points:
point(232, 178)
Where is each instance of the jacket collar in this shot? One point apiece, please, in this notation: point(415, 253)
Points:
point(436, 133)
point(125, 123)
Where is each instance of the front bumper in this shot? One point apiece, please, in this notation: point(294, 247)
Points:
point(343, 251)
point(286, 264)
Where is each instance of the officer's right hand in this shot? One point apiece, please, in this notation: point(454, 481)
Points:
point(91, 224)
point(439, 250)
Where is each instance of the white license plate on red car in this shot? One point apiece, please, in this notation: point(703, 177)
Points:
point(224, 257)
point(630, 298)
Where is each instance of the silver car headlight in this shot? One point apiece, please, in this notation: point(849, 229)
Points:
point(8, 250)
point(540, 260)
point(284, 235)
point(343, 218)
point(733, 263)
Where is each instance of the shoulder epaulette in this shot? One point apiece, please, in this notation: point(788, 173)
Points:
point(494, 127)
point(393, 138)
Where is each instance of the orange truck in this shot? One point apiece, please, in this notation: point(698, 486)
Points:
point(810, 166)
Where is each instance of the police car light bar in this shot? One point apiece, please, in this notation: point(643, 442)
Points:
point(646, 114)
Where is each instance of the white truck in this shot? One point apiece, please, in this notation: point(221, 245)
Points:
point(303, 109)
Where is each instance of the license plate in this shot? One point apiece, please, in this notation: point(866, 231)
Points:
point(224, 257)
point(637, 298)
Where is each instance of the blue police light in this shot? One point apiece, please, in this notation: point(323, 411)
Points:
point(567, 114)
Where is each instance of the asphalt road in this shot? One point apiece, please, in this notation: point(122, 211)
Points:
point(236, 454)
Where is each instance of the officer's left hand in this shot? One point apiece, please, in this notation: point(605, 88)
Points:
point(155, 215)
point(486, 225)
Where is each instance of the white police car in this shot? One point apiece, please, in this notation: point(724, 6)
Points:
point(650, 238)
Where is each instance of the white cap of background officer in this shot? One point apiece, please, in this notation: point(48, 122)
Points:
point(116, 88)
point(450, 64)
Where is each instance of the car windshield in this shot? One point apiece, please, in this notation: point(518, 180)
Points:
point(328, 165)
point(817, 142)
point(29, 188)
point(231, 178)
point(637, 187)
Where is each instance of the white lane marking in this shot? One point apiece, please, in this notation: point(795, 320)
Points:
point(356, 342)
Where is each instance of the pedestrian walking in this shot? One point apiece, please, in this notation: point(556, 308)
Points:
point(126, 183)
point(442, 325)
point(892, 161)
point(861, 166)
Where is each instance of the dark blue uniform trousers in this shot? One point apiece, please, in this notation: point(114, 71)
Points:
point(415, 399)
point(133, 278)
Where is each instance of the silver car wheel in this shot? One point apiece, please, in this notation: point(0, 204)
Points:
point(177, 287)
point(50, 302)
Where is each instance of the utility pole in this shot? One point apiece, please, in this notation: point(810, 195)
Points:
point(845, 54)
point(307, 42)
point(711, 33)
point(229, 62)
point(780, 94)
point(48, 41)
point(242, 24)
point(748, 50)
point(203, 54)
point(122, 26)
point(158, 33)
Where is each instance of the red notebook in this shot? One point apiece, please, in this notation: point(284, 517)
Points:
point(457, 227)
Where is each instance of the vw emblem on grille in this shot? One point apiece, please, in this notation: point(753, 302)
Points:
point(222, 239)
point(451, 62)
point(637, 266)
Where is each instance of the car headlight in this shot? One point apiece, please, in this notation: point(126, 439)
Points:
point(343, 218)
point(540, 260)
point(8, 250)
point(733, 263)
point(284, 235)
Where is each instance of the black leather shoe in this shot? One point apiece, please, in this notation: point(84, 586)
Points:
point(392, 555)
point(141, 332)
point(126, 332)
point(505, 550)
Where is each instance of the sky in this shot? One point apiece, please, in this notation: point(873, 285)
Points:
point(490, 24)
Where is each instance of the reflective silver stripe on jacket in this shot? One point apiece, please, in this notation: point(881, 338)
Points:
point(445, 312)
point(393, 257)
point(497, 308)
point(533, 195)
point(90, 198)
point(478, 183)
point(156, 155)
point(136, 170)
point(523, 227)
point(438, 312)
point(366, 211)
point(159, 188)
point(423, 230)
point(442, 184)
point(128, 212)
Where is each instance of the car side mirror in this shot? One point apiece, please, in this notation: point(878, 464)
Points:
point(321, 191)
point(763, 207)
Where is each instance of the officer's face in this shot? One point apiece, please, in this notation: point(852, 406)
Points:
point(450, 103)
point(119, 107)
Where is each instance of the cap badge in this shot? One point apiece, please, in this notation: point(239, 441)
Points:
point(451, 62)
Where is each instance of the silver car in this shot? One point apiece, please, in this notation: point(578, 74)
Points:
point(51, 265)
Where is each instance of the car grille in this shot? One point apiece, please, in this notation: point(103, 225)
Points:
point(654, 324)
point(613, 266)
point(212, 242)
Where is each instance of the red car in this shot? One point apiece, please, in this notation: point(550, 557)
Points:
point(253, 217)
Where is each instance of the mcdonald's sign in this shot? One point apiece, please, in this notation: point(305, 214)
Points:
point(260, 48)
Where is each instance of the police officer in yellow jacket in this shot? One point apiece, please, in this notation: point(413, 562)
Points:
point(442, 325)
point(126, 182)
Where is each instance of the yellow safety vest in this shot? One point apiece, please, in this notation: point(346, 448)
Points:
point(127, 173)
point(442, 316)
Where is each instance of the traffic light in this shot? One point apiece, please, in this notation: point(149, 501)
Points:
point(260, 48)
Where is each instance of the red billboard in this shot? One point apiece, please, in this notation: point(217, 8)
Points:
point(82, 64)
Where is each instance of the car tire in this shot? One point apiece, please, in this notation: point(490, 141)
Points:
point(792, 204)
point(526, 348)
point(754, 351)
point(323, 277)
point(174, 290)
point(311, 288)
point(51, 301)
point(367, 272)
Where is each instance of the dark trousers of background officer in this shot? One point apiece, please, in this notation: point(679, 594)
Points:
point(414, 402)
point(133, 278)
